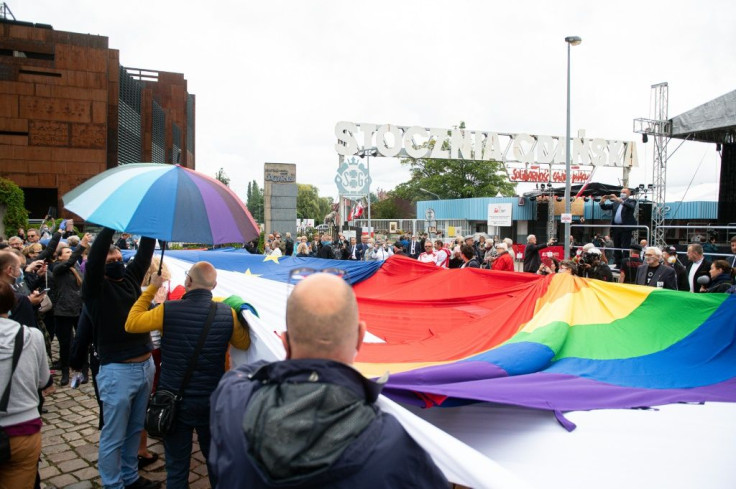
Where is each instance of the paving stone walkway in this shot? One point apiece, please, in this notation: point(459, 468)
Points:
point(70, 443)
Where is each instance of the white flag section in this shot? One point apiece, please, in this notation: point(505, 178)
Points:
point(680, 446)
point(459, 462)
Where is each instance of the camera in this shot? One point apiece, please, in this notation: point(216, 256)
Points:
point(589, 258)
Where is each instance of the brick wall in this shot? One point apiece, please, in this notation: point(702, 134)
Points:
point(59, 108)
point(53, 109)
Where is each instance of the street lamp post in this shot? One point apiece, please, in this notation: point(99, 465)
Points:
point(571, 41)
point(431, 193)
point(367, 153)
point(428, 210)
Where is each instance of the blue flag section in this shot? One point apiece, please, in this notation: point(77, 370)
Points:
point(270, 267)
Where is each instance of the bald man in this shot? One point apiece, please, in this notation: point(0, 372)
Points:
point(181, 323)
point(311, 420)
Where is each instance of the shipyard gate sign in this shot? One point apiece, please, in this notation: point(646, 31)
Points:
point(527, 157)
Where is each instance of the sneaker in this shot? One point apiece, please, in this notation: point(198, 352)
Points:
point(143, 483)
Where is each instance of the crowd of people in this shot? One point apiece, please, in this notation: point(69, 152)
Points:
point(643, 265)
point(123, 328)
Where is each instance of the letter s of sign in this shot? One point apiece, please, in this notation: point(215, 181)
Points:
point(346, 143)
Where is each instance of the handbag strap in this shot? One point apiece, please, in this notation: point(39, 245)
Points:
point(200, 344)
point(17, 349)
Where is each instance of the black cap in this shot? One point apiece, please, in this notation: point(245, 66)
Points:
point(635, 247)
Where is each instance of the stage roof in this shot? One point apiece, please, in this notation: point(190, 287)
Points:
point(712, 122)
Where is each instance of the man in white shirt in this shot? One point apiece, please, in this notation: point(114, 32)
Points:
point(697, 266)
point(381, 251)
point(443, 254)
point(429, 255)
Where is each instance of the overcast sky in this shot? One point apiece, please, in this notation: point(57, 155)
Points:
point(273, 77)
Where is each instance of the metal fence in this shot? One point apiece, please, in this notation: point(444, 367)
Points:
point(693, 232)
point(415, 226)
point(639, 227)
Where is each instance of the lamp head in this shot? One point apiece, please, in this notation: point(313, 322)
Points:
point(573, 40)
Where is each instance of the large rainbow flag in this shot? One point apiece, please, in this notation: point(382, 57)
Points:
point(558, 343)
point(459, 338)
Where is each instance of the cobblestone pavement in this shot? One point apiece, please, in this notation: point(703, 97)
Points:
point(70, 442)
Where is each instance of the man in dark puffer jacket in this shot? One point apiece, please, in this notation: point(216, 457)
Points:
point(181, 324)
point(311, 421)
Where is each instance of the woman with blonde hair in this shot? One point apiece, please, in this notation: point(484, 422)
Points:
point(32, 251)
point(302, 250)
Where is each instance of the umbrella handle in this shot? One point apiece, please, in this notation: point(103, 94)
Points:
point(161, 262)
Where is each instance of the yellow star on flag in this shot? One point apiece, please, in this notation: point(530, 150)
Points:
point(249, 274)
point(272, 258)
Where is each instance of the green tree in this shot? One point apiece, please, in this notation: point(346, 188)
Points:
point(388, 205)
point(13, 200)
point(385, 209)
point(254, 201)
point(309, 205)
point(222, 177)
point(453, 179)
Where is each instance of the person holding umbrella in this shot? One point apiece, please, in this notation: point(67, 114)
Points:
point(126, 368)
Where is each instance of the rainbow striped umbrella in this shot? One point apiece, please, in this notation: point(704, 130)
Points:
point(167, 202)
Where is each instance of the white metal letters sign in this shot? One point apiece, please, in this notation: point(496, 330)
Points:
point(526, 149)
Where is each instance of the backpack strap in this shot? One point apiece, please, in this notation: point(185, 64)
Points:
point(17, 350)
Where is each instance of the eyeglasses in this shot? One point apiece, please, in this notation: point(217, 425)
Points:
point(298, 274)
point(649, 255)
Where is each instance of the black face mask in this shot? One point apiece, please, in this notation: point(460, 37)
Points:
point(115, 270)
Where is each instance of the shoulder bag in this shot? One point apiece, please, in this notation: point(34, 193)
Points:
point(162, 405)
point(4, 438)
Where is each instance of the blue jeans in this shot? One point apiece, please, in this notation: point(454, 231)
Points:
point(124, 391)
point(192, 413)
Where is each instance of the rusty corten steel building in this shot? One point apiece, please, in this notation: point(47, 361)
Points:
point(69, 110)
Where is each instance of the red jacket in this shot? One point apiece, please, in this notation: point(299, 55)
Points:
point(504, 262)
